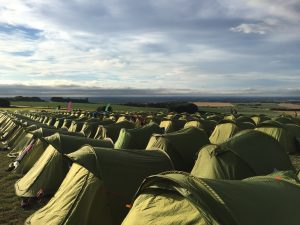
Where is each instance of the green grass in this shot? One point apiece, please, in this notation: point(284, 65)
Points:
point(11, 211)
point(246, 109)
point(242, 108)
point(83, 106)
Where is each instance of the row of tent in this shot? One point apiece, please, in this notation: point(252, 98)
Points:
point(94, 180)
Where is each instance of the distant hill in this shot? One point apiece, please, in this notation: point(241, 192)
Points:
point(74, 100)
point(25, 99)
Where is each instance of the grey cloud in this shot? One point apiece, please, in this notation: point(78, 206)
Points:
point(231, 28)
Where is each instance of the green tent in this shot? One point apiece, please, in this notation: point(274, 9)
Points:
point(223, 131)
point(35, 148)
point(172, 125)
point(294, 129)
point(244, 119)
point(59, 122)
point(99, 185)
point(259, 118)
point(244, 122)
point(112, 130)
point(179, 198)
point(137, 138)
point(281, 133)
point(207, 125)
point(76, 126)
point(32, 152)
point(249, 153)
point(9, 129)
point(283, 120)
point(20, 143)
point(10, 141)
point(89, 128)
point(51, 168)
point(182, 146)
point(214, 117)
point(67, 123)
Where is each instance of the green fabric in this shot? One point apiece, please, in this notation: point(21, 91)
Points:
point(223, 132)
point(46, 174)
point(283, 120)
point(43, 132)
point(244, 119)
point(89, 128)
point(207, 125)
point(32, 156)
point(66, 144)
point(249, 153)
point(259, 119)
point(112, 130)
point(281, 133)
point(99, 185)
point(182, 146)
point(13, 138)
point(172, 125)
point(20, 144)
point(76, 202)
point(136, 138)
point(41, 135)
point(49, 170)
point(121, 171)
point(270, 200)
point(76, 126)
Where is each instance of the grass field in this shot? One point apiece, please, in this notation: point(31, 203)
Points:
point(242, 108)
point(11, 211)
point(51, 106)
point(215, 107)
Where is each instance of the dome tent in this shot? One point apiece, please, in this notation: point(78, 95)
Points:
point(207, 125)
point(112, 130)
point(137, 138)
point(179, 198)
point(99, 185)
point(223, 131)
point(171, 125)
point(36, 147)
point(281, 133)
point(259, 118)
point(249, 153)
point(51, 168)
point(182, 146)
point(89, 128)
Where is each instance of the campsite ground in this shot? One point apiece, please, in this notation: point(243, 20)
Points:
point(10, 209)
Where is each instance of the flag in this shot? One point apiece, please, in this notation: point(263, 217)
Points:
point(69, 107)
point(107, 107)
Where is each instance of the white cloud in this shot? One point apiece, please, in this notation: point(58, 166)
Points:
point(252, 28)
point(132, 43)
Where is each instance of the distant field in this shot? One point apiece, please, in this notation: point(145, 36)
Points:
point(83, 106)
point(270, 109)
point(290, 105)
point(214, 104)
point(242, 108)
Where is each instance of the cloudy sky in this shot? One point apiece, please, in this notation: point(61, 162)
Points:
point(137, 47)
